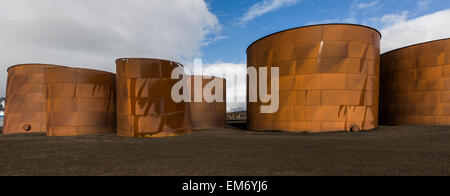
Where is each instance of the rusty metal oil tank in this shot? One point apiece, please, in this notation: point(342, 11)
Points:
point(415, 85)
point(25, 103)
point(144, 103)
point(329, 78)
point(208, 114)
point(79, 101)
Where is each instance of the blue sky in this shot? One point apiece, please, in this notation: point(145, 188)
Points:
point(236, 36)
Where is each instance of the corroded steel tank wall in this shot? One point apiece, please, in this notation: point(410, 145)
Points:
point(79, 101)
point(207, 115)
point(144, 103)
point(329, 78)
point(415, 85)
point(25, 103)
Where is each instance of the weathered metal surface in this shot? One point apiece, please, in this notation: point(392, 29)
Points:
point(79, 101)
point(144, 104)
point(329, 78)
point(415, 85)
point(25, 103)
point(208, 114)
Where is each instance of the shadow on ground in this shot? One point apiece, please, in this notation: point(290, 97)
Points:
point(237, 125)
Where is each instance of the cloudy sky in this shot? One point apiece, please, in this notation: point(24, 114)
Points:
point(93, 33)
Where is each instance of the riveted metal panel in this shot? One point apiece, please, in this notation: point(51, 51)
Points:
point(208, 115)
point(329, 78)
point(79, 101)
point(144, 103)
point(25, 103)
point(415, 85)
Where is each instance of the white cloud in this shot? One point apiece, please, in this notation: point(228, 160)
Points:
point(237, 90)
point(214, 39)
point(92, 34)
point(399, 32)
point(366, 5)
point(392, 19)
point(424, 3)
point(265, 7)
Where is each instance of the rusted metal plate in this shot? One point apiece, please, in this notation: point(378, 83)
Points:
point(329, 78)
point(25, 103)
point(415, 85)
point(207, 114)
point(144, 104)
point(79, 101)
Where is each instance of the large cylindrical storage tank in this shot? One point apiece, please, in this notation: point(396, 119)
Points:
point(144, 103)
point(79, 101)
point(208, 114)
point(415, 85)
point(329, 78)
point(25, 102)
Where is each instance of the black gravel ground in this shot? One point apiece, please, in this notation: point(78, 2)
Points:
point(406, 150)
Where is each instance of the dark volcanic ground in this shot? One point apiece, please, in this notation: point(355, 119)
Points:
point(408, 150)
